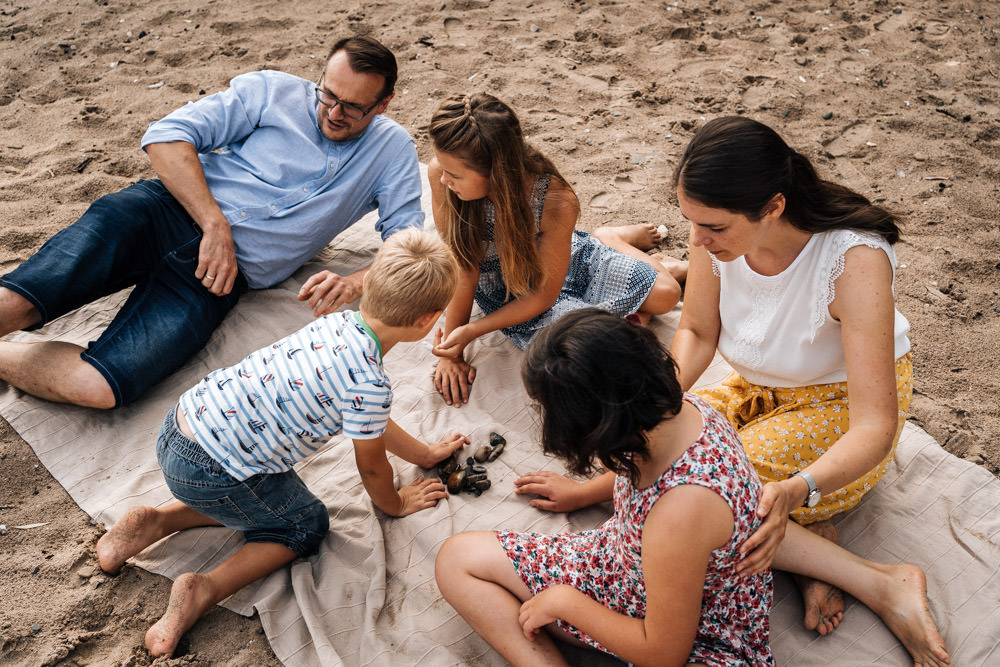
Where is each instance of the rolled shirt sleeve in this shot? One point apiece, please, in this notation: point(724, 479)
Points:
point(287, 190)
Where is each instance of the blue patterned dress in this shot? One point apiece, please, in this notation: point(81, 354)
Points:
point(598, 276)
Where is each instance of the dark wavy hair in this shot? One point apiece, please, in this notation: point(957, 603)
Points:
point(739, 164)
point(601, 384)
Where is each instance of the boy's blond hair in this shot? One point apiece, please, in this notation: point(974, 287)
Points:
point(414, 273)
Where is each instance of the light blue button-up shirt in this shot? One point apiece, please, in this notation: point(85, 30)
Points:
point(286, 189)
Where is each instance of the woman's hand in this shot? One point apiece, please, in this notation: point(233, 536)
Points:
point(774, 507)
point(453, 380)
point(556, 493)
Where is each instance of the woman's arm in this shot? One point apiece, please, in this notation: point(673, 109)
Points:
point(554, 245)
point(680, 532)
point(865, 307)
point(697, 334)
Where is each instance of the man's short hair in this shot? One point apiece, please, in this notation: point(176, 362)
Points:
point(367, 54)
point(414, 273)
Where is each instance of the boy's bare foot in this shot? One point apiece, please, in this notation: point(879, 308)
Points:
point(136, 531)
point(189, 598)
point(643, 235)
point(824, 603)
point(903, 608)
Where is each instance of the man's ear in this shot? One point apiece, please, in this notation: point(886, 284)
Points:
point(384, 104)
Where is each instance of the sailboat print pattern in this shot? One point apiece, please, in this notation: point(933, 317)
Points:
point(283, 402)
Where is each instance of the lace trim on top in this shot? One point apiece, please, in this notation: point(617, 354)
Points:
point(833, 268)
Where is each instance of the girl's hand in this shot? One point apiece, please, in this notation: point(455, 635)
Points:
point(557, 493)
point(540, 610)
point(445, 448)
point(453, 380)
point(421, 494)
point(454, 344)
point(759, 549)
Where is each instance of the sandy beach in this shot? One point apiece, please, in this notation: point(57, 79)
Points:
point(900, 101)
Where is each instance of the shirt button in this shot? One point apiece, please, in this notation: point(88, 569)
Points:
point(243, 213)
point(305, 190)
point(332, 165)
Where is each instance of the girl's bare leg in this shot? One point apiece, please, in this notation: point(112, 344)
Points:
point(824, 603)
point(643, 236)
point(194, 594)
point(477, 579)
point(141, 527)
point(897, 593)
point(633, 240)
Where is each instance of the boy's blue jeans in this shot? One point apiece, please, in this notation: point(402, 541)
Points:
point(139, 236)
point(276, 508)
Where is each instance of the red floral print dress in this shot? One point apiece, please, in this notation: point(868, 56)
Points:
point(606, 563)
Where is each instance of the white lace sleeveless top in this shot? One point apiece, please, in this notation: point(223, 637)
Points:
point(777, 330)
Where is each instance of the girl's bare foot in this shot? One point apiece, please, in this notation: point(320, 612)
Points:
point(678, 268)
point(824, 603)
point(189, 598)
point(137, 530)
point(643, 235)
point(903, 608)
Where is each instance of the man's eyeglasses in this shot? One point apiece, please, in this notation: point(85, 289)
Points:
point(352, 111)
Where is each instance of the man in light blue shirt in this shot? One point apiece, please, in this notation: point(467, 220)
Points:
point(253, 182)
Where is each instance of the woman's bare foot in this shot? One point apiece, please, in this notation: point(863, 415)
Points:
point(137, 530)
point(902, 606)
point(824, 603)
point(643, 235)
point(190, 597)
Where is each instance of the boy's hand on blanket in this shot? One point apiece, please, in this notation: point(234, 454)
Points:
point(421, 494)
point(442, 450)
point(760, 548)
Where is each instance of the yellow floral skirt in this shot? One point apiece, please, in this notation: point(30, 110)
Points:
point(785, 429)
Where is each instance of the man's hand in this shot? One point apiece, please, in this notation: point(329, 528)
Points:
point(326, 291)
point(556, 493)
point(217, 266)
point(758, 551)
point(421, 494)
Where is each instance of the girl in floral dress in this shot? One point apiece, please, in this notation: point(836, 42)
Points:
point(657, 583)
point(510, 218)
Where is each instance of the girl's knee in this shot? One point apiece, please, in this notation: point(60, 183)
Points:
point(666, 294)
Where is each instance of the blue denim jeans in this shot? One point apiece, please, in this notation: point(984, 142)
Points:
point(276, 508)
point(139, 236)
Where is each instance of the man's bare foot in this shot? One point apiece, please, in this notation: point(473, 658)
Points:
point(824, 603)
point(903, 608)
point(678, 268)
point(189, 598)
point(137, 530)
point(643, 235)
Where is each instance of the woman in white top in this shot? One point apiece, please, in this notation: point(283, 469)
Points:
point(791, 279)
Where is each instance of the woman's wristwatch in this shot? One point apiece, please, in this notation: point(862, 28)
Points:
point(812, 499)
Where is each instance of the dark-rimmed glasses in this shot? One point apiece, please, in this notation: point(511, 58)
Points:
point(352, 111)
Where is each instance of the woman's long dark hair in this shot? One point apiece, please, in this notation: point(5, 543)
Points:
point(738, 164)
point(601, 383)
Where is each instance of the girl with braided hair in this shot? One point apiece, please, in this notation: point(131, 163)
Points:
point(510, 216)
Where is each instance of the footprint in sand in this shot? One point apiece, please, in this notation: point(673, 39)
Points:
point(606, 201)
point(626, 183)
point(454, 28)
point(852, 139)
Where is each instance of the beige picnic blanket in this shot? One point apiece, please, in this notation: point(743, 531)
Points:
point(369, 596)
